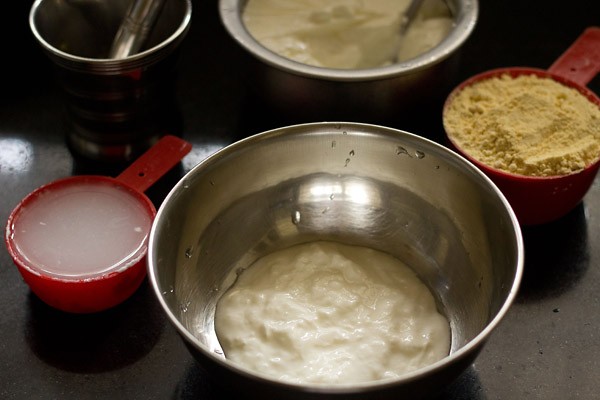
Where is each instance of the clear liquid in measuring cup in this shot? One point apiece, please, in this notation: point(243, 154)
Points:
point(82, 230)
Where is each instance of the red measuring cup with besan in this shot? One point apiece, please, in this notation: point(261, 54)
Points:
point(541, 199)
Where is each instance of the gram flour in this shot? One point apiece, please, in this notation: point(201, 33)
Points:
point(526, 125)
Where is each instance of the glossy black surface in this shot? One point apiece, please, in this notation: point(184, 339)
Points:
point(548, 347)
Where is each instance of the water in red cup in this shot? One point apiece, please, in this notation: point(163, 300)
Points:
point(80, 242)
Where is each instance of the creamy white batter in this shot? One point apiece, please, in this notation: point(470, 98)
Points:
point(324, 312)
point(345, 34)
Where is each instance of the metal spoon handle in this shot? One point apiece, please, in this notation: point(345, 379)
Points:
point(410, 14)
point(135, 28)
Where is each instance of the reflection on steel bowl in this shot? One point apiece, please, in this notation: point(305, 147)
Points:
point(355, 184)
point(370, 93)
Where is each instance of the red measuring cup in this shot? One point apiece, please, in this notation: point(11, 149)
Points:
point(80, 242)
point(534, 199)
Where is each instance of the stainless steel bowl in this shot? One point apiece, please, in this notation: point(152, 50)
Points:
point(298, 89)
point(352, 183)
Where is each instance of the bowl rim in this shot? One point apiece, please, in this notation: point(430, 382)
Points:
point(469, 348)
point(231, 17)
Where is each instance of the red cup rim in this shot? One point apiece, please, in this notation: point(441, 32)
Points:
point(24, 263)
point(514, 72)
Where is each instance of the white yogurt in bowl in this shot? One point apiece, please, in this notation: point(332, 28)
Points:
point(323, 312)
point(346, 34)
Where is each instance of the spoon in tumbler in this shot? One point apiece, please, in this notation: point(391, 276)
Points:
point(135, 28)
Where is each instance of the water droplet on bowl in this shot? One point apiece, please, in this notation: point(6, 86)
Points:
point(402, 151)
point(171, 290)
point(296, 217)
point(188, 252)
point(419, 154)
point(185, 306)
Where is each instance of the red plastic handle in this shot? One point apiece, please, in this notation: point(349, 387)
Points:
point(154, 163)
point(580, 63)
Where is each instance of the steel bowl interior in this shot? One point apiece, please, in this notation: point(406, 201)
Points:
point(352, 183)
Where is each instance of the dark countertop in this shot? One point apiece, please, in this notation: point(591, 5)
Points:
point(548, 346)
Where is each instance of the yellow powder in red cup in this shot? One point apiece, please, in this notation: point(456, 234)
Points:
point(525, 125)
